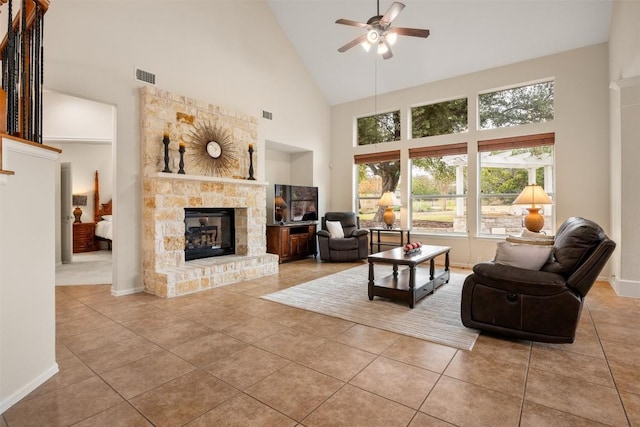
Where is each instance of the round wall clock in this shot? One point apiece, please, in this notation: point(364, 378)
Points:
point(212, 151)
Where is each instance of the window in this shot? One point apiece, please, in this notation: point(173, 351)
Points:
point(520, 105)
point(442, 118)
point(384, 127)
point(377, 173)
point(439, 188)
point(506, 166)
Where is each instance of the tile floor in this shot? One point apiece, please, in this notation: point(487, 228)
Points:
point(226, 357)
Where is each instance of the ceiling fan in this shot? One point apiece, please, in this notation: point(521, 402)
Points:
point(380, 32)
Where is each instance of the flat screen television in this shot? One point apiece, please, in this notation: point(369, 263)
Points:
point(295, 203)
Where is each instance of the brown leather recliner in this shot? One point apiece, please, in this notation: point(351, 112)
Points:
point(540, 305)
point(354, 245)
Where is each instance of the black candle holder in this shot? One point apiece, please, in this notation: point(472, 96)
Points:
point(251, 178)
point(181, 164)
point(165, 141)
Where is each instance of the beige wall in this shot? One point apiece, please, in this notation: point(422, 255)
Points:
point(581, 127)
point(199, 52)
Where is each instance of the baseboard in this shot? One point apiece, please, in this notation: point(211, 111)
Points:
point(625, 288)
point(28, 388)
point(126, 291)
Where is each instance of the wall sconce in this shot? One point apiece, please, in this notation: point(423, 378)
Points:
point(388, 200)
point(533, 194)
point(78, 200)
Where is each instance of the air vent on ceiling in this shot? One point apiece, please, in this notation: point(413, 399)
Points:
point(267, 115)
point(145, 76)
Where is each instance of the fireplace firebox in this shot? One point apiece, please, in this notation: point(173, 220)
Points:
point(208, 232)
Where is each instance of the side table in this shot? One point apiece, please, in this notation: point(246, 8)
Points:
point(84, 237)
point(377, 233)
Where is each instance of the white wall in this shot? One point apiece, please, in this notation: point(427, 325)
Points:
point(69, 118)
point(231, 54)
point(581, 127)
point(27, 270)
point(624, 73)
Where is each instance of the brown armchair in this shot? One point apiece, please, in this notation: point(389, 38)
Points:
point(353, 246)
point(542, 305)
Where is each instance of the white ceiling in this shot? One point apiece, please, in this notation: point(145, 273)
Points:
point(466, 36)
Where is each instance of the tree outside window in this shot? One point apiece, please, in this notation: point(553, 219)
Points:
point(439, 188)
point(442, 118)
point(375, 176)
point(383, 127)
point(517, 106)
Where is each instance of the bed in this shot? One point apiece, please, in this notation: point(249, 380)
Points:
point(102, 215)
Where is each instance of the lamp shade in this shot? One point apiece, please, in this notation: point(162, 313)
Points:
point(533, 194)
point(280, 203)
point(79, 200)
point(388, 199)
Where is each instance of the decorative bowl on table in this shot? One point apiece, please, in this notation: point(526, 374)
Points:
point(412, 248)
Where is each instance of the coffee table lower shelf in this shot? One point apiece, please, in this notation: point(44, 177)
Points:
point(409, 284)
point(398, 289)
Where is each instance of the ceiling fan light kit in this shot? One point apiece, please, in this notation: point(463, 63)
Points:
point(379, 31)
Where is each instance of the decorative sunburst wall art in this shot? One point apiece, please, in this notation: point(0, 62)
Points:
point(212, 150)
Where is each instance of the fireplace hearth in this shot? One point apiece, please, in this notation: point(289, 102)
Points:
point(208, 232)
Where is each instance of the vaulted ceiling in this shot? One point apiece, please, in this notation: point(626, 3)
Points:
point(466, 36)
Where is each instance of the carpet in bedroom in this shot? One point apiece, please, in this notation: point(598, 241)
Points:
point(87, 268)
point(344, 295)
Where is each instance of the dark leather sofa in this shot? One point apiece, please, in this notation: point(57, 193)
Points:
point(354, 245)
point(540, 305)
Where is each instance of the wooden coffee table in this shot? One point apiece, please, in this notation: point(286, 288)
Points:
point(412, 284)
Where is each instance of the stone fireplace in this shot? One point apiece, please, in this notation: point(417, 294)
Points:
point(167, 196)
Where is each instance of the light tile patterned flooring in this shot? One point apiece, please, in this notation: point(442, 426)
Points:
point(225, 357)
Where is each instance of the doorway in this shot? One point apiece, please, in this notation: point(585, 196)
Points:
point(85, 132)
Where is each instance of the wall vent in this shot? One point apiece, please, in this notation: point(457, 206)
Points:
point(145, 76)
point(267, 115)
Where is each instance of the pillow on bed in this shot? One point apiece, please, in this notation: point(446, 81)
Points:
point(529, 257)
point(107, 217)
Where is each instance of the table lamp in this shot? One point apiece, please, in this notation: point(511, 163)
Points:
point(533, 194)
point(281, 205)
point(78, 200)
point(388, 200)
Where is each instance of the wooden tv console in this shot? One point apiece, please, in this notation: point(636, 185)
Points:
point(292, 241)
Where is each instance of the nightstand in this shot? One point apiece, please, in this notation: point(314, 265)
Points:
point(84, 237)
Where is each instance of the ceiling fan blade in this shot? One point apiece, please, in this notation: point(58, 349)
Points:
point(414, 32)
point(351, 23)
point(353, 43)
point(392, 13)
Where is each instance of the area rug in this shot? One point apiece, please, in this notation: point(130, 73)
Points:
point(344, 295)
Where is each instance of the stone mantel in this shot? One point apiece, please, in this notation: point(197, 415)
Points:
point(208, 179)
